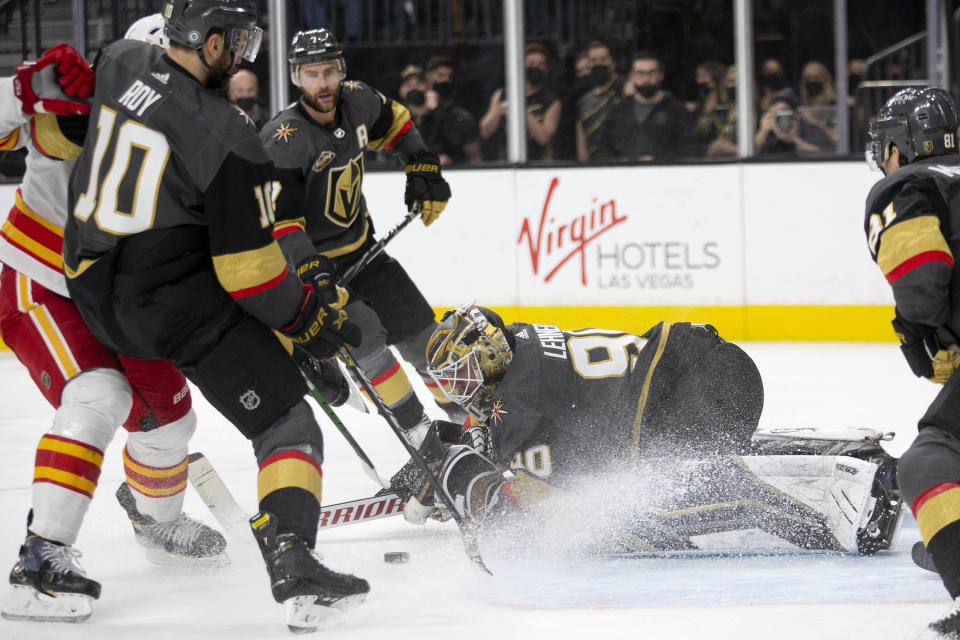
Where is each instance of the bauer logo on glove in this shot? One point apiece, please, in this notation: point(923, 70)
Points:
point(425, 186)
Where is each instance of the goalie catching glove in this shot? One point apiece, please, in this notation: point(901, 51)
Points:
point(925, 354)
point(425, 186)
point(59, 83)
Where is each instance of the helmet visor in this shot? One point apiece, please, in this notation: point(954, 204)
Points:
point(246, 42)
point(461, 379)
point(317, 74)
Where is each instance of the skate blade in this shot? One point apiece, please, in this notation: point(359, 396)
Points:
point(304, 614)
point(26, 603)
point(159, 556)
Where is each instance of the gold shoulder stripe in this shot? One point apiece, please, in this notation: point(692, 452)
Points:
point(906, 240)
point(645, 391)
point(50, 140)
point(401, 118)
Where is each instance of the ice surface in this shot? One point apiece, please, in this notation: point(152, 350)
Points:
point(439, 594)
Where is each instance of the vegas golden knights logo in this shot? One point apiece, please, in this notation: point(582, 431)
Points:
point(343, 191)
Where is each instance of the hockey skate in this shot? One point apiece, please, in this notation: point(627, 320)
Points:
point(47, 584)
point(182, 541)
point(948, 625)
point(308, 590)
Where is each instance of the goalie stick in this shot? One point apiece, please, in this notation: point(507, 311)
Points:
point(467, 530)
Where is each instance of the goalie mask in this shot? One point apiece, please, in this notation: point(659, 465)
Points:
point(310, 47)
point(467, 355)
point(921, 122)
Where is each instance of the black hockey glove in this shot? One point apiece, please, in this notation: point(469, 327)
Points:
point(319, 272)
point(426, 186)
point(320, 329)
point(326, 376)
point(472, 480)
point(919, 344)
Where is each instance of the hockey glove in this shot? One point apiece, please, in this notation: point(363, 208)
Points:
point(59, 83)
point(945, 362)
point(472, 480)
point(327, 377)
point(320, 273)
point(426, 186)
point(412, 486)
point(320, 329)
point(919, 344)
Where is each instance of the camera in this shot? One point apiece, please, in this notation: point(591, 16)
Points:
point(784, 120)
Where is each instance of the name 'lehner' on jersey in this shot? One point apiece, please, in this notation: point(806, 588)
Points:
point(551, 340)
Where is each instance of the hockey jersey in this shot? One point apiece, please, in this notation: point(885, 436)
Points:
point(165, 154)
point(31, 237)
point(911, 223)
point(322, 166)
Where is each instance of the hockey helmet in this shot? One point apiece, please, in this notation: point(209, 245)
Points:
point(314, 45)
point(151, 29)
point(189, 22)
point(921, 122)
point(467, 354)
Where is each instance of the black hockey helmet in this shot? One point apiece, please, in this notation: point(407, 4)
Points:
point(314, 45)
point(921, 122)
point(189, 22)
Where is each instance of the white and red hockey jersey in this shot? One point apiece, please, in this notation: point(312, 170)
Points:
point(31, 237)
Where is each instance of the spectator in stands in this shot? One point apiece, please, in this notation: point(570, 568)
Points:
point(450, 130)
point(725, 144)
point(651, 124)
point(855, 70)
point(817, 95)
point(542, 111)
point(705, 109)
point(594, 106)
point(771, 80)
point(565, 141)
point(783, 132)
point(244, 91)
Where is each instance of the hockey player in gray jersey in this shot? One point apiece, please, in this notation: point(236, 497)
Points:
point(169, 254)
point(653, 435)
point(911, 221)
point(318, 145)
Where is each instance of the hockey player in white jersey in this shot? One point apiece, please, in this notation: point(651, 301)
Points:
point(93, 389)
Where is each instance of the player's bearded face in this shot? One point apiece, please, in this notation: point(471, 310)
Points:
point(320, 84)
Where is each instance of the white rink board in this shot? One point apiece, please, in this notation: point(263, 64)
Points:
point(704, 235)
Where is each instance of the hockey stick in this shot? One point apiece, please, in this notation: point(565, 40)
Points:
point(210, 487)
point(467, 531)
point(365, 461)
point(375, 507)
point(377, 249)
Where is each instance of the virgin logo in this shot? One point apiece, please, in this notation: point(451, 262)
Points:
point(556, 243)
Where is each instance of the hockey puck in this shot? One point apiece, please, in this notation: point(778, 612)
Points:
point(396, 557)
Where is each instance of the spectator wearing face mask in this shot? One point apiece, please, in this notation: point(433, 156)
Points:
point(542, 112)
point(651, 125)
point(595, 105)
point(818, 96)
point(725, 143)
point(708, 108)
point(447, 128)
point(244, 91)
point(771, 80)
